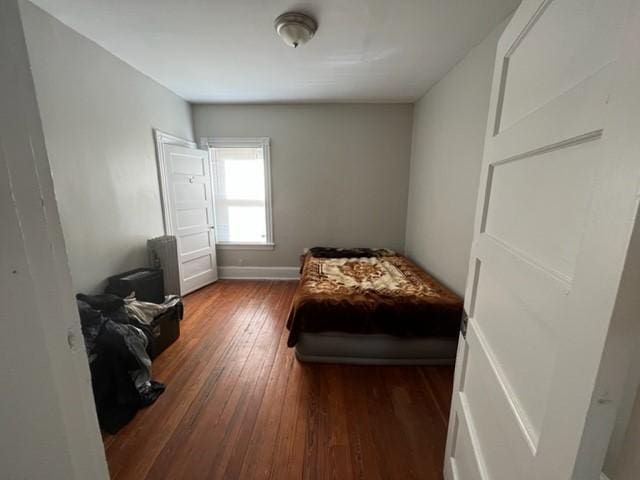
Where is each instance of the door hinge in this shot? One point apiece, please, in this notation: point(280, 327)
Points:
point(463, 324)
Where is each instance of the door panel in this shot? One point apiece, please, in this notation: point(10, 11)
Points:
point(554, 42)
point(192, 217)
point(185, 192)
point(556, 206)
point(491, 407)
point(525, 342)
point(197, 266)
point(187, 165)
point(552, 190)
point(464, 460)
point(196, 242)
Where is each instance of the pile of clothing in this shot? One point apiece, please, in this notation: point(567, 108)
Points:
point(118, 341)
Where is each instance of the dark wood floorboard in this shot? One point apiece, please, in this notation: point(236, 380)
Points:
point(239, 406)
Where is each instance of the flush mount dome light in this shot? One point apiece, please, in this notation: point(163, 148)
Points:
point(295, 29)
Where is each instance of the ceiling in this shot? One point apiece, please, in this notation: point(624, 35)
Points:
point(227, 50)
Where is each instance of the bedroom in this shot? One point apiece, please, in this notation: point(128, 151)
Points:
point(391, 128)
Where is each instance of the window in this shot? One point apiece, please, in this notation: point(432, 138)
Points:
point(242, 192)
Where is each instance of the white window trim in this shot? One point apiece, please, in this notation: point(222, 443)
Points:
point(244, 246)
point(256, 142)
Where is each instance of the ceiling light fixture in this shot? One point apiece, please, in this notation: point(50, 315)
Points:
point(295, 29)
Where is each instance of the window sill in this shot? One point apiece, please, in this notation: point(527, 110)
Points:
point(245, 246)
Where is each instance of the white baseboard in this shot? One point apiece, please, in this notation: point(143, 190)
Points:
point(259, 273)
point(603, 477)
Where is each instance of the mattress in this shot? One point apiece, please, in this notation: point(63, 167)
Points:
point(370, 292)
point(375, 349)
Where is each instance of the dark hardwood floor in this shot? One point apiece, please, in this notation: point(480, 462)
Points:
point(238, 404)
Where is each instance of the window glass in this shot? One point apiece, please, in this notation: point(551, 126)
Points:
point(240, 194)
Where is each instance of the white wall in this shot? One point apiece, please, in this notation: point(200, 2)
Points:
point(48, 425)
point(98, 114)
point(339, 173)
point(448, 139)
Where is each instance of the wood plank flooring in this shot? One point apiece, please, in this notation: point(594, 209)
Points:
point(238, 404)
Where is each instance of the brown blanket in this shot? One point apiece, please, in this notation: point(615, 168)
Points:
point(377, 294)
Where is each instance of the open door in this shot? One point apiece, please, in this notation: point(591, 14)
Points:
point(540, 370)
point(188, 209)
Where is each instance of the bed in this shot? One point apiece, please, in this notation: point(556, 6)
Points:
point(371, 306)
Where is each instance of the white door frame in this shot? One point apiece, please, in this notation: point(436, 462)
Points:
point(162, 138)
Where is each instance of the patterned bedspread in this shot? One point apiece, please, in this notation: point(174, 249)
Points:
point(382, 293)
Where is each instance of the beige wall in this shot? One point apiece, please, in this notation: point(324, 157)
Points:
point(98, 114)
point(339, 173)
point(448, 138)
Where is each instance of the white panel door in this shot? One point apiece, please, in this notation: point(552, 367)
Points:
point(188, 181)
point(556, 207)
